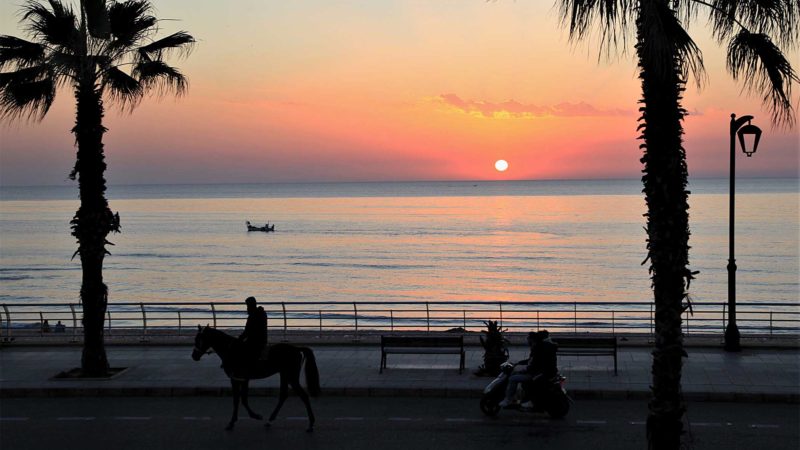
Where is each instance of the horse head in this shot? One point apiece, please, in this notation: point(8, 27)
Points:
point(201, 343)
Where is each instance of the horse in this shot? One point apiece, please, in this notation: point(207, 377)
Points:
point(285, 359)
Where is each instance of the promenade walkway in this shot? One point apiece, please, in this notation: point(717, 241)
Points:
point(709, 374)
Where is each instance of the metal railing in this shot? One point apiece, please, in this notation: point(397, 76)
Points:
point(143, 319)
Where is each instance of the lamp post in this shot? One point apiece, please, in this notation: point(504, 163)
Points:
point(739, 128)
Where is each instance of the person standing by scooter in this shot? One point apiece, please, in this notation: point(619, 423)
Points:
point(541, 365)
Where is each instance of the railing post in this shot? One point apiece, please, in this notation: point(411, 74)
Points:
point(575, 316)
point(144, 323)
point(538, 326)
point(285, 321)
point(428, 316)
point(770, 324)
point(500, 304)
point(652, 322)
point(464, 313)
point(74, 323)
point(41, 324)
point(391, 320)
point(724, 315)
point(355, 320)
point(687, 322)
point(108, 318)
point(613, 324)
point(320, 323)
point(179, 322)
point(213, 314)
point(8, 324)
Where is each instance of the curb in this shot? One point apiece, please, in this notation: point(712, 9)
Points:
point(575, 394)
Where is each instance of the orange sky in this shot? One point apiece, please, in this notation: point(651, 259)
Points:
point(390, 90)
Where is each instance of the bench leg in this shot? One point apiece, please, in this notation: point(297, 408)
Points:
point(383, 362)
point(615, 364)
point(461, 365)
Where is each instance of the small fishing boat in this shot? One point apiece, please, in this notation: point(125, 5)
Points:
point(266, 228)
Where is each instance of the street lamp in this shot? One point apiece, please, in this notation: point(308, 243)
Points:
point(737, 127)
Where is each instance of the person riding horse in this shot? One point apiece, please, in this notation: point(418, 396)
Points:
point(252, 341)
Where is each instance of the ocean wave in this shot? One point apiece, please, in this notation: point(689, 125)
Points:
point(364, 266)
point(17, 277)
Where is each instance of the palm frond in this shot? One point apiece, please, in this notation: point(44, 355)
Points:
point(609, 19)
point(57, 26)
point(122, 88)
point(665, 36)
point(776, 18)
point(130, 21)
point(761, 65)
point(21, 76)
point(67, 65)
point(97, 18)
point(23, 97)
point(160, 76)
point(19, 52)
point(181, 41)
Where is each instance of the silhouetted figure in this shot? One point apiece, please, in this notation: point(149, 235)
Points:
point(285, 359)
point(254, 338)
point(59, 327)
point(541, 365)
point(45, 326)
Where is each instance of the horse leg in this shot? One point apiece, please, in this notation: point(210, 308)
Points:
point(281, 398)
point(235, 416)
point(253, 414)
point(304, 397)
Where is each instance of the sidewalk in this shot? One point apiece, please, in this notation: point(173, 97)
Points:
point(709, 374)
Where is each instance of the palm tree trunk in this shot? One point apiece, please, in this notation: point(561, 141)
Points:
point(665, 179)
point(91, 225)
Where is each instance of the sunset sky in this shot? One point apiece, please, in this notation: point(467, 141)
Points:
point(376, 90)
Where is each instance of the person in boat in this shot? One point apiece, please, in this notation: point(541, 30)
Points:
point(254, 338)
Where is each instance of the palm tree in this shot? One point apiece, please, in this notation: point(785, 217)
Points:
point(105, 51)
point(666, 55)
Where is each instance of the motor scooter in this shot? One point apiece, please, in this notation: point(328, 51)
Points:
point(550, 397)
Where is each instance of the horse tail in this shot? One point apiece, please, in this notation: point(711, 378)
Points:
point(312, 373)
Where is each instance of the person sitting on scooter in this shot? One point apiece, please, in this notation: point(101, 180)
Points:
point(541, 365)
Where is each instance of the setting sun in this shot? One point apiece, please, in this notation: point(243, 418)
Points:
point(501, 165)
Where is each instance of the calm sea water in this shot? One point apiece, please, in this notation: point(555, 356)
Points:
point(451, 241)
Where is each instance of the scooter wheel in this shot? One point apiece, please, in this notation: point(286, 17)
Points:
point(557, 405)
point(489, 406)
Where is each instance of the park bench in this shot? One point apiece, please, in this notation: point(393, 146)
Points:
point(422, 345)
point(588, 346)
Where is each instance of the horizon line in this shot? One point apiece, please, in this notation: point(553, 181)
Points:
point(72, 184)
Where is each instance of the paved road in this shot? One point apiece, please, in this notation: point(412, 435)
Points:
point(373, 423)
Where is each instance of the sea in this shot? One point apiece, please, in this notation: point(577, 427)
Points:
point(512, 241)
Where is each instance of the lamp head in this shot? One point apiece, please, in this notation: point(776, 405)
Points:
point(751, 130)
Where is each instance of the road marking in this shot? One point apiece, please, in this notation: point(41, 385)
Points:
point(706, 424)
point(461, 419)
point(131, 418)
point(196, 418)
point(639, 422)
point(402, 419)
point(297, 418)
point(591, 422)
point(76, 418)
point(349, 418)
point(14, 419)
point(764, 425)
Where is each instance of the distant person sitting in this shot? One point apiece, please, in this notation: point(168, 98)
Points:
point(541, 365)
point(59, 327)
point(45, 326)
